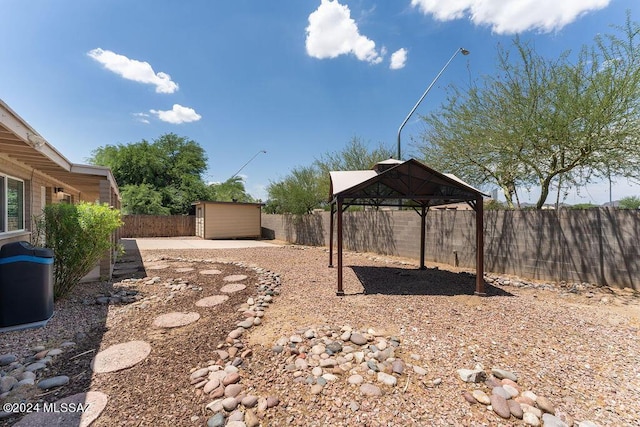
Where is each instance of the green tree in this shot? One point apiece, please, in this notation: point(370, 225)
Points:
point(540, 122)
point(355, 156)
point(299, 193)
point(307, 188)
point(142, 199)
point(631, 202)
point(171, 166)
point(230, 190)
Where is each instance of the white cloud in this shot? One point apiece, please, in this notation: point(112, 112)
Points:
point(142, 117)
point(511, 16)
point(332, 32)
point(135, 70)
point(398, 59)
point(178, 114)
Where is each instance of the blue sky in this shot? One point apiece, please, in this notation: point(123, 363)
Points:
point(295, 78)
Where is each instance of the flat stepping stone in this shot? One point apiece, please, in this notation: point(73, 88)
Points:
point(235, 278)
point(92, 403)
point(175, 319)
point(184, 269)
point(212, 300)
point(232, 287)
point(210, 272)
point(120, 356)
point(158, 267)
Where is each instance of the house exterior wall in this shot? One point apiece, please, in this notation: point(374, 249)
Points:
point(34, 181)
point(231, 220)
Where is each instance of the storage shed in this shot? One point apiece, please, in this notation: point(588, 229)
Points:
point(228, 220)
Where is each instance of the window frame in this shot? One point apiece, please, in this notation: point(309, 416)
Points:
point(4, 204)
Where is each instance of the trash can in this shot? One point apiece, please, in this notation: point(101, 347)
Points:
point(26, 286)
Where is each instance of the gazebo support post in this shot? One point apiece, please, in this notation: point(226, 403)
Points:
point(331, 235)
point(480, 247)
point(339, 213)
point(423, 220)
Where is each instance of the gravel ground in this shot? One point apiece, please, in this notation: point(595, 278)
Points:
point(578, 348)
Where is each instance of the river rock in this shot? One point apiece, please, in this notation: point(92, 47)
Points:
point(249, 401)
point(211, 385)
point(53, 382)
point(355, 379)
point(481, 397)
point(250, 418)
point(7, 383)
point(7, 359)
point(500, 406)
point(530, 419)
point(358, 339)
point(501, 392)
point(370, 390)
point(229, 404)
point(216, 421)
point(387, 379)
point(469, 397)
point(515, 408)
point(501, 373)
point(232, 390)
point(549, 420)
point(545, 405)
point(471, 375)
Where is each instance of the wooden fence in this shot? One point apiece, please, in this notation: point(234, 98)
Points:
point(158, 225)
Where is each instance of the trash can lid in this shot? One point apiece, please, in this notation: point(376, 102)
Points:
point(24, 248)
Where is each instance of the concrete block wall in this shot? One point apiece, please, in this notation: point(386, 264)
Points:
point(596, 246)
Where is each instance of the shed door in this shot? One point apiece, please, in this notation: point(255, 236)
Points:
point(199, 222)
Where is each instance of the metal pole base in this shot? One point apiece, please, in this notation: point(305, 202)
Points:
point(340, 293)
point(480, 294)
point(330, 266)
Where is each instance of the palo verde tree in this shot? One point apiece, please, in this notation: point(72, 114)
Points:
point(307, 188)
point(161, 177)
point(298, 193)
point(541, 122)
point(355, 156)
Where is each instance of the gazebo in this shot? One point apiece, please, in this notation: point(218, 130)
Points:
point(388, 184)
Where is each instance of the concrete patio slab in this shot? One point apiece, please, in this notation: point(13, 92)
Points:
point(191, 243)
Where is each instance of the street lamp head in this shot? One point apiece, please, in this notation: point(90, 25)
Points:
point(464, 51)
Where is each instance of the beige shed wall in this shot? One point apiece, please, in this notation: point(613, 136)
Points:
point(227, 221)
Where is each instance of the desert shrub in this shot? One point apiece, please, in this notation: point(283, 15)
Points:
point(582, 206)
point(80, 235)
point(631, 202)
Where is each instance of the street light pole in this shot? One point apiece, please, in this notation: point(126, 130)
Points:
point(243, 166)
point(459, 50)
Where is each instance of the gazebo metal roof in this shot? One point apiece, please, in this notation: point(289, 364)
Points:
point(392, 181)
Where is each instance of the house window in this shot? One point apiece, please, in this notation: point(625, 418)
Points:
point(11, 204)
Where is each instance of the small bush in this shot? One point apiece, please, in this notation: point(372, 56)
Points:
point(631, 202)
point(80, 235)
point(582, 206)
